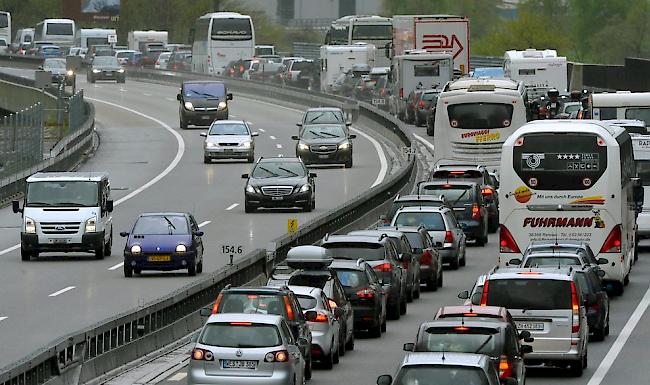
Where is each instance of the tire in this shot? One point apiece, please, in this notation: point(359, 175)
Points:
point(99, 253)
point(199, 267)
point(481, 241)
point(25, 255)
point(383, 326)
point(109, 246)
point(342, 343)
point(618, 289)
point(137, 271)
point(606, 330)
point(576, 369)
point(248, 208)
point(463, 260)
point(313, 205)
point(394, 312)
point(599, 334)
point(626, 280)
point(429, 130)
point(308, 207)
point(251, 159)
point(493, 226)
point(403, 307)
point(183, 125)
point(409, 294)
point(350, 344)
point(308, 371)
point(337, 355)
point(128, 271)
point(328, 361)
point(348, 164)
point(191, 270)
point(432, 285)
point(440, 278)
point(455, 263)
point(416, 293)
point(207, 160)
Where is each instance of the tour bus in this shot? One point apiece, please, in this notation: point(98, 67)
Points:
point(475, 116)
point(56, 31)
point(570, 180)
point(371, 29)
point(219, 38)
point(537, 68)
point(621, 105)
point(641, 149)
point(5, 26)
point(89, 37)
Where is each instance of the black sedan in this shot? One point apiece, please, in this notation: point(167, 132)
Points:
point(325, 144)
point(279, 183)
point(106, 68)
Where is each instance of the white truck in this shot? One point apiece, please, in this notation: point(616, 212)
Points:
point(338, 59)
point(135, 38)
point(433, 33)
point(537, 68)
point(417, 69)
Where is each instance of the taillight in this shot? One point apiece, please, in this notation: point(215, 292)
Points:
point(484, 295)
point(332, 303)
point(401, 93)
point(421, 105)
point(287, 305)
point(384, 267)
point(320, 317)
point(289, 76)
point(215, 307)
point(202, 355)
point(476, 212)
point(365, 293)
point(613, 242)
point(382, 92)
point(449, 238)
point(505, 368)
point(427, 258)
point(575, 309)
point(486, 192)
point(279, 356)
point(507, 242)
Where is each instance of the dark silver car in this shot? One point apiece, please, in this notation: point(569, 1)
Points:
point(106, 68)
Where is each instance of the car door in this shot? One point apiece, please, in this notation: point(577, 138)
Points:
point(457, 231)
point(375, 283)
point(294, 350)
point(196, 239)
point(301, 326)
point(392, 255)
point(342, 300)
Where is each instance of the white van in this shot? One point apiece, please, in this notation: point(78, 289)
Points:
point(621, 105)
point(474, 116)
point(24, 35)
point(66, 212)
point(338, 59)
point(537, 68)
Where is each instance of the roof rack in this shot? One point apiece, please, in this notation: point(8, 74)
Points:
point(360, 261)
point(382, 236)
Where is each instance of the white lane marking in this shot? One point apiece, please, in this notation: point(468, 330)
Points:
point(116, 266)
point(171, 99)
point(62, 291)
point(272, 137)
point(250, 123)
point(232, 206)
point(146, 94)
point(426, 142)
point(262, 130)
point(3, 318)
point(278, 145)
point(180, 376)
point(10, 249)
point(383, 169)
point(170, 167)
point(204, 223)
point(232, 116)
point(123, 90)
point(617, 346)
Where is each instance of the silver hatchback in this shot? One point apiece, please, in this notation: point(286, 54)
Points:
point(229, 139)
point(246, 349)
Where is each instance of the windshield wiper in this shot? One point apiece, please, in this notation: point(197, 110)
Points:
point(170, 224)
point(269, 171)
point(316, 117)
point(316, 134)
point(459, 198)
point(483, 344)
point(289, 171)
point(330, 134)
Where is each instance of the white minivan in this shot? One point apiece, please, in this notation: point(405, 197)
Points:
point(66, 212)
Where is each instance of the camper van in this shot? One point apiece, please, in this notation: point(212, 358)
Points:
point(338, 59)
point(537, 68)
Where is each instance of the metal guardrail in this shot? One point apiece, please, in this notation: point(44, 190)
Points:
point(21, 61)
point(95, 351)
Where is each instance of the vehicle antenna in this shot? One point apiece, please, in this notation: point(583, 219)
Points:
point(443, 353)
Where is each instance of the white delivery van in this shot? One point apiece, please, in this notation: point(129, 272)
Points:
point(66, 212)
point(418, 68)
point(537, 68)
point(338, 59)
point(621, 105)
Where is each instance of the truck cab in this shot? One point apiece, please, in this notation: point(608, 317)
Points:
point(66, 212)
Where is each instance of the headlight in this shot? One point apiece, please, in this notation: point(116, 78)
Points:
point(222, 105)
point(305, 188)
point(96, 71)
point(250, 189)
point(189, 106)
point(210, 144)
point(181, 248)
point(70, 73)
point(121, 70)
point(136, 249)
point(30, 226)
point(302, 146)
point(246, 144)
point(91, 225)
point(344, 146)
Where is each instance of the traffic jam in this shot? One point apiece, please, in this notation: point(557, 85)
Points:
point(557, 175)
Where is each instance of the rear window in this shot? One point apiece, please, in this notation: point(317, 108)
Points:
point(560, 161)
point(443, 374)
point(240, 335)
point(300, 65)
point(459, 339)
point(231, 29)
point(458, 174)
point(356, 250)
point(306, 302)
point(639, 114)
point(551, 261)
point(310, 280)
point(59, 29)
point(423, 203)
point(428, 69)
point(429, 96)
point(352, 278)
point(430, 221)
point(532, 294)
point(643, 170)
point(415, 239)
point(473, 116)
point(251, 303)
point(453, 194)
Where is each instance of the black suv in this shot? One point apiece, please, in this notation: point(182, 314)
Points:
point(202, 102)
point(596, 301)
point(325, 144)
point(366, 293)
point(473, 173)
point(279, 182)
point(412, 200)
point(268, 300)
point(468, 204)
point(380, 253)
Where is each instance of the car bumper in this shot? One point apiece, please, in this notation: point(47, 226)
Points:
point(541, 357)
point(321, 344)
point(196, 376)
point(473, 229)
point(229, 153)
point(86, 242)
point(366, 317)
point(177, 261)
point(448, 254)
point(293, 200)
point(336, 157)
point(427, 273)
point(202, 118)
point(108, 76)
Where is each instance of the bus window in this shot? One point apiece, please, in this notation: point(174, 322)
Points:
point(475, 116)
point(231, 29)
point(372, 32)
point(638, 113)
point(59, 29)
point(564, 161)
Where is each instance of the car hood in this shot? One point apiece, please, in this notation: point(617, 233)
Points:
point(159, 243)
point(227, 138)
point(317, 141)
point(297, 181)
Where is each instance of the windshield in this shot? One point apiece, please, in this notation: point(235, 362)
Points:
point(372, 32)
point(59, 29)
point(127, 55)
point(323, 132)
point(638, 113)
point(251, 304)
point(54, 63)
point(443, 375)
point(643, 171)
point(231, 29)
point(531, 294)
point(430, 221)
point(352, 278)
point(301, 65)
point(82, 194)
point(415, 239)
point(356, 250)
point(475, 116)
point(459, 339)
point(208, 89)
point(551, 261)
point(319, 117)
point(161, 225)
point(430, 96)
point(427, 69)
point(306, 302)
point(458, 194)
point(228, 129)
point(105, 61)
point(240, 335)
point(279, 169)
point(338, 34)
point(4, 20)
point(411, 203)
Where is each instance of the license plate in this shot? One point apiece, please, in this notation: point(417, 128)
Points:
point(59, 241)
point(378, 101)
point(323, 156)
point(227, 150)
point(277, 198)
point(238, 364)
point(530, 325)
point(206, 117)
point(108, 74)
point(159, 258)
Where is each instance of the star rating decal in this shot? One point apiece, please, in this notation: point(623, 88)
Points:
point(569, 156)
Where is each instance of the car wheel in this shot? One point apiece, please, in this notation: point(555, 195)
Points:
point(109, 245)
point(440, 278)
point(99, 252)
point(409, 294)
point(337, 355)
point(431, 284)
point(191, 270)
point(626, 280)
point(348, 164)
point(308, 207)
point(328, 361)
point(606, 331)
point(429, 130)
point(25, 255)
point(342, 343)
point(199, 267)
point(455, 263)
point(575, 368)
point(350, 344)
point(493, 226)
point(402, 306)
point(463, 261)
point(249, 208)
point(599, 334)
point(416, 293)
point(251, 159)
point(137, 271)
point(183, 125)
point(375, 331)
point(308, 369)
point(618, 289)
point(480, 241)
point(128, 271)
point(207, 159)
point(394, 312)
point(383, 325)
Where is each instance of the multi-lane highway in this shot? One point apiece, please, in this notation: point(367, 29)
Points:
point(154, 166)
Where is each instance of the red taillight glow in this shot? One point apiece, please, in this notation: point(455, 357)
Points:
point(241, 323)
point(449, 237)
point(287, 305)
point(507, 242)
point(384, 267)
point(487, 191)
point(202, 355)
point(321, 318)
point(279, 356)
point(215, 307)
point(505, 369)
point(476, 212)
point(426, 258)
point(421, 105)
point(366, 293)
point(470, 315)
point(457, 172)
point(575, 308)
point(613, 242)
point(461, 328)
point(484, 295)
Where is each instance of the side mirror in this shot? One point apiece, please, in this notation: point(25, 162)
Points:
point(312, 175)
point(179, 97)
point(476, 298)
point(601, 273)
point(525, 349)
point(229, 96)
point(205, 312)
point(295, 137)
point(348, 124)
point(353, 136)
point(124, 234)
point(204, 134)
point(255, 134)
point(339, 312)
point(408, 347)
point(514, 262)
point(15, 205)
point(384, 379)
point(303, 341)
point(464, 294)
point(199, 233)
point(311, 315)
point(602, 261)
point(109, 205)
point(244, 176)
point(299, 124)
